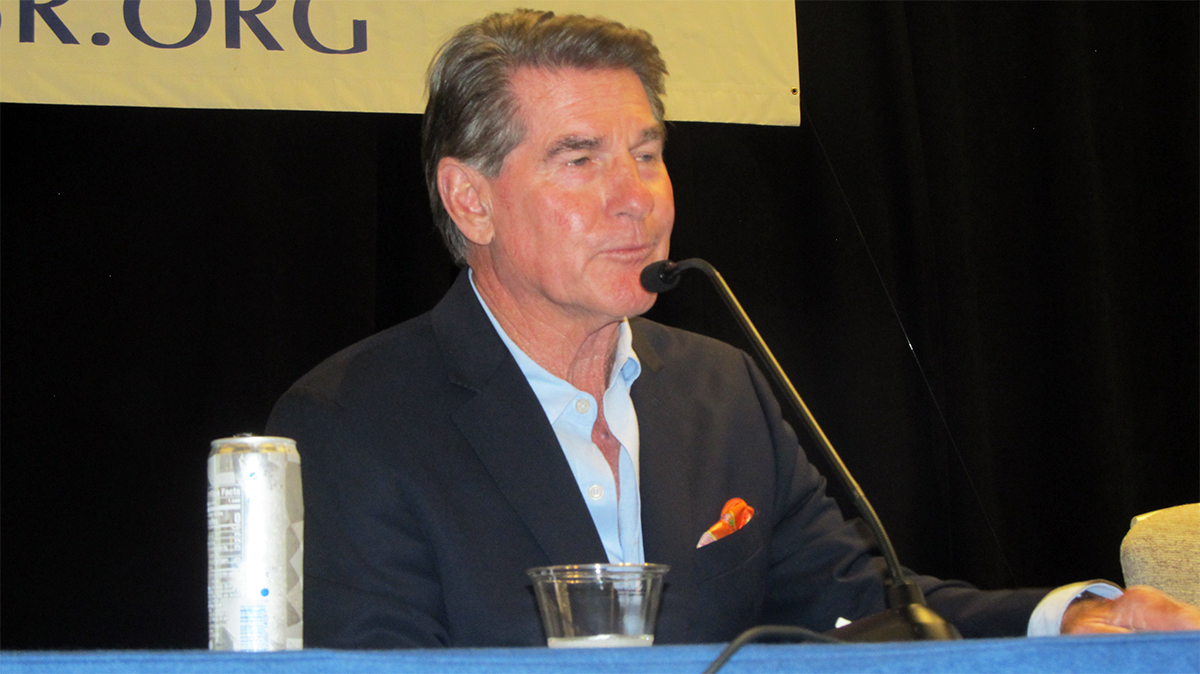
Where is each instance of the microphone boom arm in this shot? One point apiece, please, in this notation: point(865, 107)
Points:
point(902, 594)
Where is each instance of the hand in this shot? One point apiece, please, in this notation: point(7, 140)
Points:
point(1140, 609)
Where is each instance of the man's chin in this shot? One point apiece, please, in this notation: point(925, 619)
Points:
point(644, 301)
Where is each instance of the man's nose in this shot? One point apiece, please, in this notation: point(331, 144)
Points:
point(629, 194)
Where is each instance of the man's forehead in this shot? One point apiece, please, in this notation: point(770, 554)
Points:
point(549, 98)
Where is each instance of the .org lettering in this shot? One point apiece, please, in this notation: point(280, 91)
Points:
point(46, 12)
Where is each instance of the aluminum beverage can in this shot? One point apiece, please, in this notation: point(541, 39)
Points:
point(255, 545)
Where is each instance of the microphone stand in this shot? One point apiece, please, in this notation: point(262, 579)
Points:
point(907, 617)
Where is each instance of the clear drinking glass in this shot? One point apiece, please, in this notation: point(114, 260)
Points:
point(598, 605)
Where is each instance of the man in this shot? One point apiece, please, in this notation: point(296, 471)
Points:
point(528, 421)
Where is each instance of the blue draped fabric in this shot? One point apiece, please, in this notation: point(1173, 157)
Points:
point(1160, 653)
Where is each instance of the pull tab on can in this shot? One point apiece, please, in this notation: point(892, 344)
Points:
point(255, 545)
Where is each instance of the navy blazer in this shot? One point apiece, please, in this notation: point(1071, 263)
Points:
point(432, 480)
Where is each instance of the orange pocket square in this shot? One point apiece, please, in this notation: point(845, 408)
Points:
point(734, 516)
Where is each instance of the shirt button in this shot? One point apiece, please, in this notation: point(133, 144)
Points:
point(596, 492)
point(582, 406)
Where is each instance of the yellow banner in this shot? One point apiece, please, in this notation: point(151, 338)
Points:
point(730, 60)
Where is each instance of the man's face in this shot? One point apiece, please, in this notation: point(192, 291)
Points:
point(584, 202)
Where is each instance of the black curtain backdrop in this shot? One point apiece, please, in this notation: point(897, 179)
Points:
point(1023, 175)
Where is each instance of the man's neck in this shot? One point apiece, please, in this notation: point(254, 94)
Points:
point(578, 350)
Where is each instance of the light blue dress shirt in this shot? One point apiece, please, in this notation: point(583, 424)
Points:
point(572, 413)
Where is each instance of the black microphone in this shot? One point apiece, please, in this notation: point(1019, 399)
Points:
point(661, 276)
point(907, 617)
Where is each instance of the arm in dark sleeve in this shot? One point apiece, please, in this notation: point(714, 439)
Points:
point(369, 577)
point(824, 567)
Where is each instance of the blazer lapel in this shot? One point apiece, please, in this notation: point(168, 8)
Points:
point(505, 425)
point(667, 490)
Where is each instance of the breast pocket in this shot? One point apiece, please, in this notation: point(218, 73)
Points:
point(730, 585)
point(742, 551)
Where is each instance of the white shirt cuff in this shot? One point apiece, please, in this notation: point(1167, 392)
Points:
point(1046, 620)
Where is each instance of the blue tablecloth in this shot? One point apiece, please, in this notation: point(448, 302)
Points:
point(1161, 653)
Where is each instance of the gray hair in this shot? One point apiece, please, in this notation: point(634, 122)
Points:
point(471, 112)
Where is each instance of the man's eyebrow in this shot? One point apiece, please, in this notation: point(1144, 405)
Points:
point(654, 133)
point(572, 144)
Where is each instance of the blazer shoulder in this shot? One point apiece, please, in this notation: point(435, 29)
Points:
point(406, 347)
point(422, 361)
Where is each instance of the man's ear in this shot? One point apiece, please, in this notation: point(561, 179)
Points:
point(465, 194)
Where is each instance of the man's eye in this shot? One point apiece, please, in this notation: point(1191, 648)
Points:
point(579, 161)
